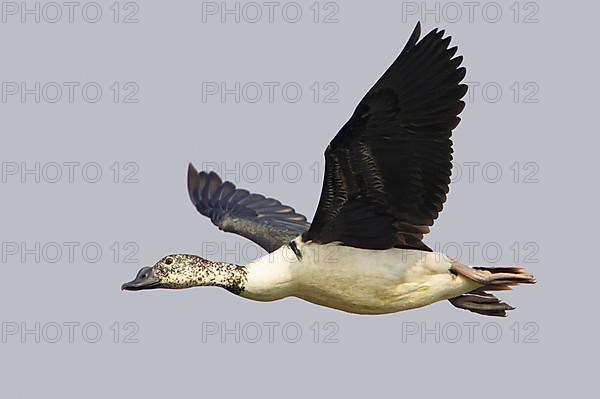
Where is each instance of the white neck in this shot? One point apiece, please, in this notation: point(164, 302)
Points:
point(270, 277)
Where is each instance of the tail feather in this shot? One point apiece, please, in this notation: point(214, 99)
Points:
point(491, 279)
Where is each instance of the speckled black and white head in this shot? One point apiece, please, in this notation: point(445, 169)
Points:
point(185, 271)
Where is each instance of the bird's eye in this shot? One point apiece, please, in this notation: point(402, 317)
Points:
point(168, 261)
point(145, 275)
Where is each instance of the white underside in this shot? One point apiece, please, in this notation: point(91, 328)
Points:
point(355, 280)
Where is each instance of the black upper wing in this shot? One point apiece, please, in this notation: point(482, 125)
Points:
point(387, 171)
point(263, 220)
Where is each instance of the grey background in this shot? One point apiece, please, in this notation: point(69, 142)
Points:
point(169, 53)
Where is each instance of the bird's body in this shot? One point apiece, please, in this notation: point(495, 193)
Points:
point(387, 175)
point(363, 281)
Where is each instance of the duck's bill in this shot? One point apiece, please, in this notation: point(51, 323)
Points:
point(134, 286)
point(145, 280)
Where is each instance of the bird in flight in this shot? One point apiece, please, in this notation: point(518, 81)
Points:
point(387, 174)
